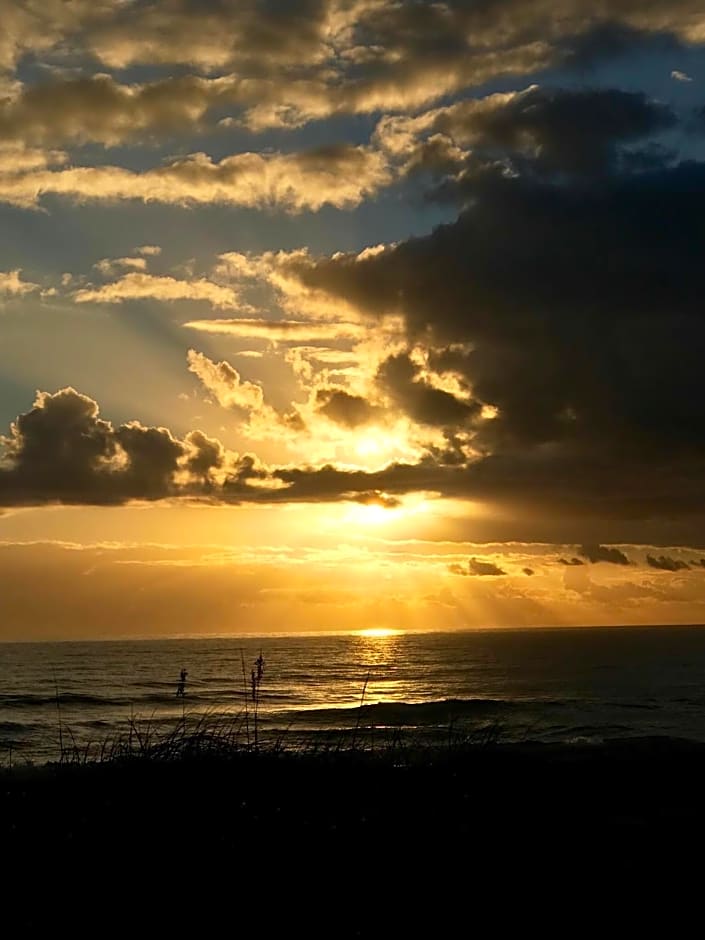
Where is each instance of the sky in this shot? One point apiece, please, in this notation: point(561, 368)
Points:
point(350, 314)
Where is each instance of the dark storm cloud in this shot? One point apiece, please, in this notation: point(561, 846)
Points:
point(402, 380)
point(666, 563)
point(528, 572)
point(62, 451)
point(577, 487)
point(61, 442)
point(597, 553)
point(340, 406)
point(375, 498)
point(570, 562)
point(553, 131)
point(207, 453)
point(576, 311)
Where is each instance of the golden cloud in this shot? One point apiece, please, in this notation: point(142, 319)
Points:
point(279, 330)
point(12, 285)
point(225, 383)
point(339, 176)
point(140, 286)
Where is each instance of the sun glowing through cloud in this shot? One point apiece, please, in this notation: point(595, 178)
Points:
point(381, 509)
point(367, 446)
point(374, 447)
point(371, 514)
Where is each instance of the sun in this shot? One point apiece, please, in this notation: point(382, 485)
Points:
point(371, 514)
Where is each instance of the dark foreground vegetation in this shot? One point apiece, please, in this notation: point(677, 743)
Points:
point(288, 834)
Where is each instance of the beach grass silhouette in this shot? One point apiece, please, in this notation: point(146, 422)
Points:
point(223, 734)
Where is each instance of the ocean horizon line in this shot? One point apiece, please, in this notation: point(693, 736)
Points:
point(363, 632)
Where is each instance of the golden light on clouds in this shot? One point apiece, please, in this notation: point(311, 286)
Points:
point(351, 313)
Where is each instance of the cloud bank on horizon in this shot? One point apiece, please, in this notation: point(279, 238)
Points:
point(359, 252)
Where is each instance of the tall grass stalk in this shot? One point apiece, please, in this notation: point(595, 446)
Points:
point(58, 713)
point(256, 675)
point(247, 696)
point(359, 711)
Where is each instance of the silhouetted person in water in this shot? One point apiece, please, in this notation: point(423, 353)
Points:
point(181, 687)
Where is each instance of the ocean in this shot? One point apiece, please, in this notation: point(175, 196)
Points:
point(552, 685)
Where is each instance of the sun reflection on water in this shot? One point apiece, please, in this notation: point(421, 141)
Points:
point(377, 633)
point(377, 651)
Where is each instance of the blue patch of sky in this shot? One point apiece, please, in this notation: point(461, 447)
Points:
point(70, 237)
point(646, 67)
